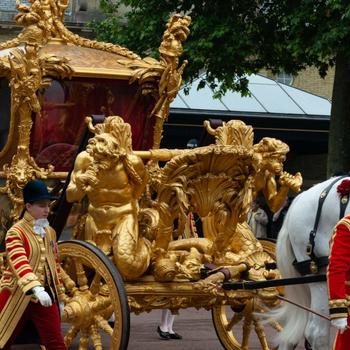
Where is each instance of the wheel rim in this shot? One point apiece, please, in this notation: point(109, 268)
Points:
point(236, 328)
point(94, 291)
point(236, 325)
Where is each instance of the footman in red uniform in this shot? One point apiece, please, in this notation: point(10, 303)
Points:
point(30, 287)
point(338, 278)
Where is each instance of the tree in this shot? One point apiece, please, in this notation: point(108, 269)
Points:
point(232, 38)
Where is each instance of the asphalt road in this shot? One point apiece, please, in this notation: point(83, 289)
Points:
point(196, 327)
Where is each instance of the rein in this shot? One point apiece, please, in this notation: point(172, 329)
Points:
point(312, 265)
point(304, 308)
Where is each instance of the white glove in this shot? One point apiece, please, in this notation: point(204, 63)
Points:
point(43, 297)
point(61, 307)
point(340, 323)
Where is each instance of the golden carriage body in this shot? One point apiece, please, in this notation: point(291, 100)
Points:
point(132, 248)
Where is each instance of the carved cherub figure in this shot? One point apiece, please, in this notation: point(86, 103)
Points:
point(271, 155)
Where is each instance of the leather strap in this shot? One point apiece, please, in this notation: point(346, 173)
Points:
point(313, 264)
point(307, 267)
point(313, 232)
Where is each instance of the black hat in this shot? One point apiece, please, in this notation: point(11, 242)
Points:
point(36, 190)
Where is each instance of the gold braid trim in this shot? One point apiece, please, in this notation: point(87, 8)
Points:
point(29, 281)
point(338, 303)
point(345, 222)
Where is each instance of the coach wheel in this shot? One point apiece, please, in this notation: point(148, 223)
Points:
point(95, 298)
point(239, 326)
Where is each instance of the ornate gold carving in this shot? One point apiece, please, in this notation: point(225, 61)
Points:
point(43, 20)
point(234, 132)
point(163, 79)
point(271, 154)
point(27, 73)
point(23, 169)
point(216, 182)
point(113, 178)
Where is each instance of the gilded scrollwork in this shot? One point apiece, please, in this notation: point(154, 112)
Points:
point(23, 169)
point(163, 79)
point(269, 154)
point(161, 269)
point(42, 20)
point(216, 182)
point(28, 72)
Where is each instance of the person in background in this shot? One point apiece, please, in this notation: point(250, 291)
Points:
point(30, 287)
point(257, 219)
point(165, 329)
point(278, 218)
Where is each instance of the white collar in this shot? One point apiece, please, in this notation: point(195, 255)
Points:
point(39, 227)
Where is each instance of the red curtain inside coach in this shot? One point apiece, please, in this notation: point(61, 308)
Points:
point(65, 104)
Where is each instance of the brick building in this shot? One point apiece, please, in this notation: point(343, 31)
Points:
point(308, 80)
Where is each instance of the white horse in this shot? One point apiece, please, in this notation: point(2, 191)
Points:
point(292, 241)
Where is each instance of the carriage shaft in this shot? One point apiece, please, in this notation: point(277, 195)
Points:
point(274, 283)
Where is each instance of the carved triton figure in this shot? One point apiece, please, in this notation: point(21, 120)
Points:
point(113, 179)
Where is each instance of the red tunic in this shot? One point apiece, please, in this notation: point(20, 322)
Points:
point(30, 261)
point(338, 278)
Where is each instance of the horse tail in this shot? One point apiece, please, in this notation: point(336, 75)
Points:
point(292, 318)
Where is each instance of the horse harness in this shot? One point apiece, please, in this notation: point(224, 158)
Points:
point(312, 265)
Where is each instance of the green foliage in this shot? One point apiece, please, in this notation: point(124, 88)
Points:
point(230, 39)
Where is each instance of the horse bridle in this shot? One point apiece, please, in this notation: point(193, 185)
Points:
point(313, 264)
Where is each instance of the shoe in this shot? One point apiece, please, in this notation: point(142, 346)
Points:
point(163, 335)
point(175, 336)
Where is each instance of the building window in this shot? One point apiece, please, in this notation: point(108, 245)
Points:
point(284, 78)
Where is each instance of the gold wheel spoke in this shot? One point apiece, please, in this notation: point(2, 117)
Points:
point(95, 283)
point(71, 334)
point(247, 328)
point(84, 339)
point(96, 337)
point(234, 320)
point(68, 283)
point(81, 275)
point(260, 333)
point(104, 325)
